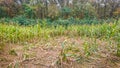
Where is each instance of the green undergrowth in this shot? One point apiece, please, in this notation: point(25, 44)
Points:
point(17, 33)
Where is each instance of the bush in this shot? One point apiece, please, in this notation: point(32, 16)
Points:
point(53, 12)
point(22, 20)
point(3, 12)
point(27, 11)
point(84, 11)
point(66, 12)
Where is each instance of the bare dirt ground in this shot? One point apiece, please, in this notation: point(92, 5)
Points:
point(47, 54)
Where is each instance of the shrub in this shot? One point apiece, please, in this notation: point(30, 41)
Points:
point(22, 20)
point(53, 12)
point(27, 11)
point(3, 12)
point(84, 11)
point(66, 12)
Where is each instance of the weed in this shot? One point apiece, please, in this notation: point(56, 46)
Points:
point(87, 49)
point(26, 56)
point(14, 65)
point(12, 52)
point(90, 47)
point(1, 46)
point(118, 49)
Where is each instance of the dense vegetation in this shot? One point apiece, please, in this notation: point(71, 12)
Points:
point(56, 9)
point(14, 34)
point(37, 24)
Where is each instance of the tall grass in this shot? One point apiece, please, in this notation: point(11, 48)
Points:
point(16, 33)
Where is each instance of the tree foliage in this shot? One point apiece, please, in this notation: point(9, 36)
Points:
point(60, 8)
